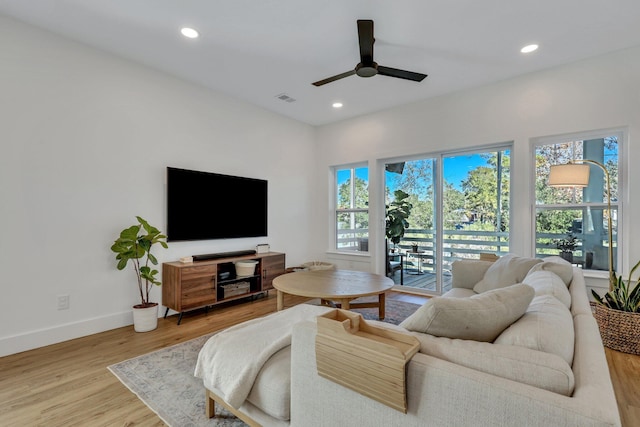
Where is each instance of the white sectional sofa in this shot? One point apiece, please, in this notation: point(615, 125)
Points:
point(547, 368)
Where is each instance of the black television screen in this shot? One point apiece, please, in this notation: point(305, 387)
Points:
point(203, 206)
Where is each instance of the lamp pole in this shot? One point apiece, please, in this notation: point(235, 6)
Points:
point(612, 275)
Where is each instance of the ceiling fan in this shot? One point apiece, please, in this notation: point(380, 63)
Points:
point(367, 67)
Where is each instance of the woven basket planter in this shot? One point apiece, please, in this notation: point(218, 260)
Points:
point(620, 330)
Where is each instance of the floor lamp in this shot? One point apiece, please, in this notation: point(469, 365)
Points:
point(576, 174)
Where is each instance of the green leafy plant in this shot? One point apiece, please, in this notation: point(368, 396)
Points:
point(397, 213)
point(625, 296)
point(567, 244)
point(134, 244)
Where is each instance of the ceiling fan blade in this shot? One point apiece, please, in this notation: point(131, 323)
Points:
point(334, 78)
point(365, 36)
point(407, 75)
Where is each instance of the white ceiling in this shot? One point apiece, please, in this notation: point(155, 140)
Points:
point(255, 50)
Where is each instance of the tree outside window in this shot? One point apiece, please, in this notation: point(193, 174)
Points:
point(352, 209)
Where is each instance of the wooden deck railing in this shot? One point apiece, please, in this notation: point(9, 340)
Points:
point(457, 244)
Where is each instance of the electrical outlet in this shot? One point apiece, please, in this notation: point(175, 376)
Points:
point(63, 302)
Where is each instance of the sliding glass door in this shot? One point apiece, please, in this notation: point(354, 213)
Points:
point(459, 208)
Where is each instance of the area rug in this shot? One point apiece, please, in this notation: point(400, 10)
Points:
point(164, 379)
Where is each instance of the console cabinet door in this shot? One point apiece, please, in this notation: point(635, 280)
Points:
point(272, 267)
point(198, 287)
point(198, 292)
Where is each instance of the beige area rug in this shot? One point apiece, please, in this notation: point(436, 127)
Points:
point(164, 379)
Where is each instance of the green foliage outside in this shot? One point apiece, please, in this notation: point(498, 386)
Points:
point(360, 195)
point(562, 221)
point(474, 204)
point(350, 198)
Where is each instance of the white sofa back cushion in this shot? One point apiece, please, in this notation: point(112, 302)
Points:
point(556, 265)
point(466, 273)
point(543, 370)
point(548, 283)
point(546, 326)
point(480, 317)
point(506, 271)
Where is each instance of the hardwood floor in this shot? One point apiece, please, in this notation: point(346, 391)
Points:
point(67, 384)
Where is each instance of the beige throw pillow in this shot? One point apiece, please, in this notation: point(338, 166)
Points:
point(508, 270)
point(480, 317)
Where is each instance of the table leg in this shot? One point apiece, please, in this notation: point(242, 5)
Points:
point(280, 301)
point(344, 304)
point(381, 301)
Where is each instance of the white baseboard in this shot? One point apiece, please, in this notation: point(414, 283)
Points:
point(43, 337)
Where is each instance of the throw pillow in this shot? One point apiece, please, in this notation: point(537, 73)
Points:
point(508, 270)
point(480, 317)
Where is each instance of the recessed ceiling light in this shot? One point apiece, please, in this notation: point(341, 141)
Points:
point(529, 48)
point(189, 32)
point(337, 105)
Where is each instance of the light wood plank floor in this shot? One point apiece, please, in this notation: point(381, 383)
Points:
point(67, 384)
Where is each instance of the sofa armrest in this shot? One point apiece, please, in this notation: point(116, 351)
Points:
point(466, 273)
point(439, 393)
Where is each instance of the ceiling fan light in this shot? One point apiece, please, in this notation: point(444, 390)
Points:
point(189, 33)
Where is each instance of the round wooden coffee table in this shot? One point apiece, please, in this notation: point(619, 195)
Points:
point(339, 286)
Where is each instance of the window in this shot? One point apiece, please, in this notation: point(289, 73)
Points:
point(352, 208)
point(572, 222)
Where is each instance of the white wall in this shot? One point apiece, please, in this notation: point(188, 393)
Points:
point(85, 139)
point(598, 93)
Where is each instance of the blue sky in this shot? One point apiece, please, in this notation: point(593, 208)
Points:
point(344, 174)
point(456, 169)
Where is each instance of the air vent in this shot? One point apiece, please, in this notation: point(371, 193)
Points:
point(286, 98)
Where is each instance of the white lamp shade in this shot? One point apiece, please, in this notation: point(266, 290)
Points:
point(569, 175)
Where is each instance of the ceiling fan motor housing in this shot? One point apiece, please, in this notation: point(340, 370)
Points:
point(367, 70)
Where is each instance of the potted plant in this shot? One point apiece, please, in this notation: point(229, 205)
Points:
point(567, 246)
point(618, 315)
point(135, 244)
point(397, 213)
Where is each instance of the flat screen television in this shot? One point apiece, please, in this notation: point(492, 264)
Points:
point(205, 206)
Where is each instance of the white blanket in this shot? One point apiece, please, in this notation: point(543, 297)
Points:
point(230, 361)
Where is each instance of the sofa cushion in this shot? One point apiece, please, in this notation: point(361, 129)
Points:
point(271, 390)
point(481, 317)
point(466, 273)
point(508, 270)
point(548, 283)
point(557, 265)
point(459, 293)
point(543, 370)
point(546, 326)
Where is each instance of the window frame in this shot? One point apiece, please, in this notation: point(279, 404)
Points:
point(352, 167)
point(621, 134)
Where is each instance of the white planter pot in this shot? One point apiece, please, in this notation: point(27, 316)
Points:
point(145, 319)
